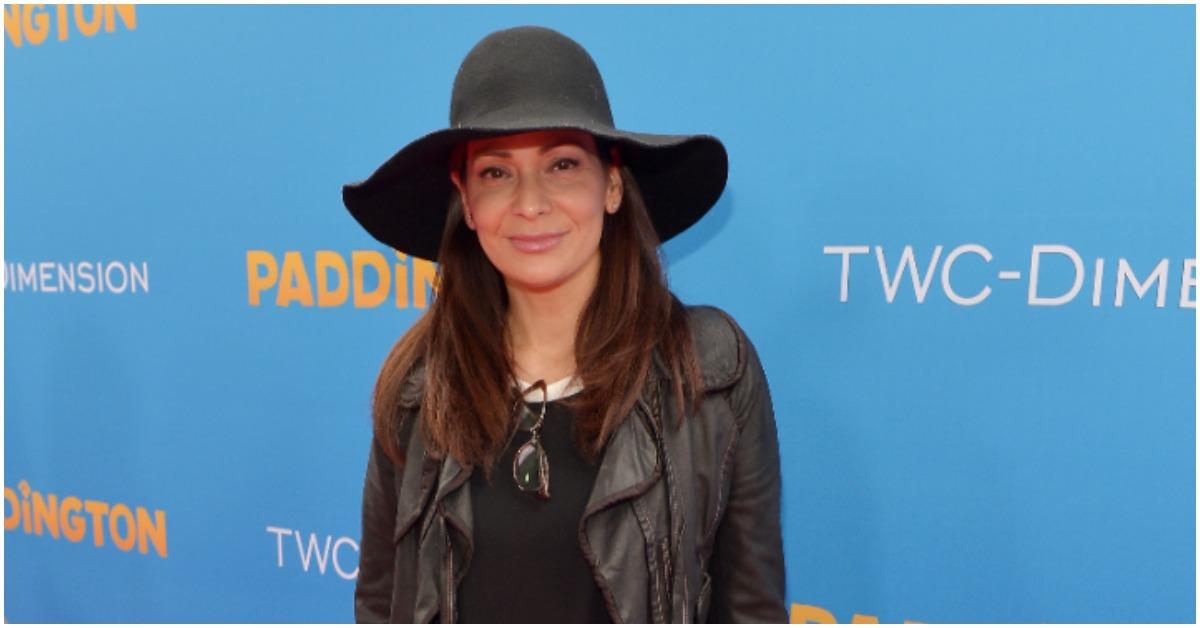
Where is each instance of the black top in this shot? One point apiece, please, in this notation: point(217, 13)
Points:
point(527, 565)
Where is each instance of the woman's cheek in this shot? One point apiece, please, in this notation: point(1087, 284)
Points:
point(484, 208)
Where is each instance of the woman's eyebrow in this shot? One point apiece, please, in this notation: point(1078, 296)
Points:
point(543, 149)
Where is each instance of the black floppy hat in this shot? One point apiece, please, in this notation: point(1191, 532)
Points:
point(525, 79)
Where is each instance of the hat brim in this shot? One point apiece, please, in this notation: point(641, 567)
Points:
point(403, 203)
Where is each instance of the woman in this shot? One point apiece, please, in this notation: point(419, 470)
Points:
point(558, 438)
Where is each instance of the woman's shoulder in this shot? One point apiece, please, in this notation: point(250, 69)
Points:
point(721, 345)
point(413, 387)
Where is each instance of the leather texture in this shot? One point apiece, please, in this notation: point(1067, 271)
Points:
point(682, 524)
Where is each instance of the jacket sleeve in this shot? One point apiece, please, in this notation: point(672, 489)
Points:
point(747, 561)
point(373, 589)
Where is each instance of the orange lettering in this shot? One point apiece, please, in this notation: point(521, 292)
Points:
point(121, 512)
point(155, 531)
point(36, 35)
point(61, 11)
point(424, 274)
point(255, 281)
point(92, 26)
point(12, 23)
point(360, 260)
point(45, 513)
point(401, 280)
point(806, 614)
point(73, 525)
point(327, 261)
point(97, 510)
point(293, 282)
point(12, 521)
point(127, 13)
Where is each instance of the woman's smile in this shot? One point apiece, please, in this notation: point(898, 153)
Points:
point(537, 243)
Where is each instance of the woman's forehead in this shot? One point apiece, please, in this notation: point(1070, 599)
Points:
point(544, 139)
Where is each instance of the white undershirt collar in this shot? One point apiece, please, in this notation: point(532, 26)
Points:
point(564, 387)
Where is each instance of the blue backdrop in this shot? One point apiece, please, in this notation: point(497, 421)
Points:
point(962, 238)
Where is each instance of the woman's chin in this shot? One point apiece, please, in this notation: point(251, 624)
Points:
point(534, 283)
point(548, 274)
point(537, 277)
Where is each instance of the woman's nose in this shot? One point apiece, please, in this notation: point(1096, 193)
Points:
point(531, 198)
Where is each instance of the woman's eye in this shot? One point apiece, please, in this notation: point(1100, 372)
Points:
point(565, 163)
point(491, 172)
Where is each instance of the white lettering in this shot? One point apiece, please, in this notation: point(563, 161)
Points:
point(108, 272)
point(954, 296)
point(85, 272)
point(1159, 275)
point(44, 270)
point(1188, 284)
point(920, 287)
point(26, 276)
point(279, 532)
point(86, 277)
point(344, 540)
point(66, 276)
point(140, 277)
point(318, 551)
point(306, 557)
point(1034, 264)
point(845, 252)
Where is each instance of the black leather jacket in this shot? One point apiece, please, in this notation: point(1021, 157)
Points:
point(682, 525)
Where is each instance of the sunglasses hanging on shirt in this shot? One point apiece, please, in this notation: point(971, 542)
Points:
point(531, 470)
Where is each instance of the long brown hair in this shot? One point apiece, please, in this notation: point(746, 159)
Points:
point(468, 401)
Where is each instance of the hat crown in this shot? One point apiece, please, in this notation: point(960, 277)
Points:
point(528, 77)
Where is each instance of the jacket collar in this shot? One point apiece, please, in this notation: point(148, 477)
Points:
point(628, 468)
point(630, 463)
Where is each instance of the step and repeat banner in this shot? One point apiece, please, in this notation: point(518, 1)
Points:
point(962, 239)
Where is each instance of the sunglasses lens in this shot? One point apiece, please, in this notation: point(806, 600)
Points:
point(527, 467)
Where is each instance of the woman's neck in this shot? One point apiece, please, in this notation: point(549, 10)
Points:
point(542, 324)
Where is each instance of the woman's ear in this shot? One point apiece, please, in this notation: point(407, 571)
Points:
point(615, 190)
point(462, 195)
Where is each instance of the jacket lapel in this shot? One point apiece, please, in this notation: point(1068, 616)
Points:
point(445, 544)
point(630, 464)
point(612, 539)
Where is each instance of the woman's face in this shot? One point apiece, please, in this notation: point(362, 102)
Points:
point(537, 201)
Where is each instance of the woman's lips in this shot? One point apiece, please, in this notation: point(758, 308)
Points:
point(536, 243)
